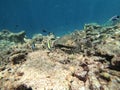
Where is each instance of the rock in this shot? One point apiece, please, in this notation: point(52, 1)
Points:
point(22, 87)
point(92, 26)
point(76, 85)
point(20, 73)
point(64, 61)
point(115, 62)
point(65, 41)
point(114, 85)
point(17, 58)
point(2, 68)
point(81, 75)
point(4, 33)
point(17, 37)
point(105, 76)
point(12, 37)
point(37, 38)
point(94, 83)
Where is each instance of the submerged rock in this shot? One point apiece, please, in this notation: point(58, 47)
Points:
point(17, 37)
point(37, 38)
point(105, 76)
point(12, 37)
point(115, 62)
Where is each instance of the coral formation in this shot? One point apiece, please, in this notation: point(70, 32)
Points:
point(86, 59)
point(12, 37)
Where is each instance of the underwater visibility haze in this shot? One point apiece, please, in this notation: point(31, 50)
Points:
point(57, 16)
point(59, 44)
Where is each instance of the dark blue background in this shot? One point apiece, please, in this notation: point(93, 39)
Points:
point(58, 16)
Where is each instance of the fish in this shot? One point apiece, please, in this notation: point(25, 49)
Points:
point(112, 21)
point(16, 25)
point(114, 18)
point(49, 44)
point(33, 46)
point(44, 30)
point(47, 32)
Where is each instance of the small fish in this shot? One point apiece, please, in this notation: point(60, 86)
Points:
point(16, 25)
point(49, 44)
point(44, 30)
point(112, 21)
point(33, 46)
point(114, 18)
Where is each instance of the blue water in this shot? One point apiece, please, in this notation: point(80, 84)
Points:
point(57, 16)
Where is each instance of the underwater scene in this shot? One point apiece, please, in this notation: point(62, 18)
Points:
point(59, 45)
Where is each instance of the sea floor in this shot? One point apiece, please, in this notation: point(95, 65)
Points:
point(86, 59)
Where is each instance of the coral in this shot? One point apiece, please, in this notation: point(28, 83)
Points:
point(85, 59)
point(17, 37)
point(12, 37)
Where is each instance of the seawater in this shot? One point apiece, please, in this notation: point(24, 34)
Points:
point(57, 16)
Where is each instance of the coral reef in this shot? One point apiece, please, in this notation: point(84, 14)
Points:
point(12, 37)
point(86, 59)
